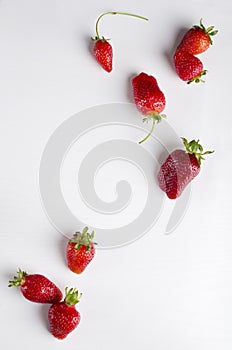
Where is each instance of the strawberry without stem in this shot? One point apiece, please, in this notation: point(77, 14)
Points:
point(36, 288)
point(103, 51)
point(149, 99)
point(197, 39)
point(63, 317)
point(180, 168)
point(188, 67)
point(80, 251)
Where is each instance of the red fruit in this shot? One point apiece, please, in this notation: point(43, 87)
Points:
point(104, 54)
point(188, 67)
point(180, 168)
point(149, 99)
point(197, 39)
point(63, 317)
point(102, 49)
point(36, 288)
point(80, 251)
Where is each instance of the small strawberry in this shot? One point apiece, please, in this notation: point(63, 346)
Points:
point(188, 67)
point(102, 50)
point(197, 39)
point(63, 317)
point(36, 288)
point(180, 168)
point(80, 250)
point(103, 53)
point(149, 99)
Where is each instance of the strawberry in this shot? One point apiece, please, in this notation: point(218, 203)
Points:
point(63, 317)
point(149, 99)
point(80, 250)
point(180, 168)
point(197, 39)
point(188, 67)
point(102, 50)
point(103, 53)
point(36, 288)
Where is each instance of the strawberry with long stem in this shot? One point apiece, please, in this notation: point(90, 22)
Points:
point(103, 51)
point(149, 99)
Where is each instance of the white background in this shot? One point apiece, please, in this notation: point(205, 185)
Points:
point(161, 292)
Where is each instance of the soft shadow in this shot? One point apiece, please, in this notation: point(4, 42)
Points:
point(129, 89)
point(43, 314)
point(62, 244)
point(168, 54)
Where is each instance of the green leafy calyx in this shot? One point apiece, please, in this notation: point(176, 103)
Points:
point(18, 280)
point(83, 238)
point(210, 31)
point(72, 296)
point(193, 147)
point(198, 79)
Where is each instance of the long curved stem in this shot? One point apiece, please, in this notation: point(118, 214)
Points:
point(149, 134)
point(116, 13)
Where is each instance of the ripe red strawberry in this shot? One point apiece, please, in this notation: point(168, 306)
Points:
point(188, 67)
point(36, 288)
point(63, 317)
point(149, 99)
point(180, 168)
point(80, 251)
point(103, 51)
point(197, 39)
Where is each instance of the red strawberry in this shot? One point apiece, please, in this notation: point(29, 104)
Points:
point(63, 317)
point(80, 250)
point(180, 168)
point(188, 67)
point(36, 288)
point(149, 99)
point(197, 39)
point(103, 51)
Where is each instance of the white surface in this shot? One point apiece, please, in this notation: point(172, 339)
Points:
point(162, 291)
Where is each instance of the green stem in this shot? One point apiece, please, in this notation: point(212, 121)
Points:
point(116, 13)
point(148, 135)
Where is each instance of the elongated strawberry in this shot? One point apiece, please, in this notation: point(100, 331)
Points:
point(149, 99)
point(188, 67)
point(36, 287)
point(102, 50)
point(80, 251)
point(180, 168)
point(63, 317)
point(103, 53)
point(197, 39)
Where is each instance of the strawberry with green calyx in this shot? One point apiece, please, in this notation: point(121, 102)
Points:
point(188, 67)
point(180, 168)
point(103, 51)
point(63, 317)
point(149, 99)
point(36, 287)
point(80, 250)
point(198, 39)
